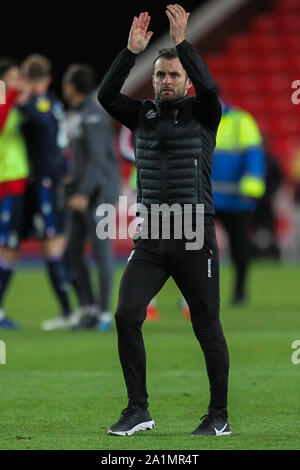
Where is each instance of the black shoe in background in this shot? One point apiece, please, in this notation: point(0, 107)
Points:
point(239, 300)
point(86, 322)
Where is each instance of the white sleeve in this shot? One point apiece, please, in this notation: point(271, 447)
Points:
point(126, 144)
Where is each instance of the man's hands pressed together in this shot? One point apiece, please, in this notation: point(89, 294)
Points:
point(139, 35)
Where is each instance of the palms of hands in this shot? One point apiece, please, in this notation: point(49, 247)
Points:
point(139, 37)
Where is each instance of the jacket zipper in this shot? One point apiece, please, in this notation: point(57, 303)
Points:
point(164, 178)
point(197, 178)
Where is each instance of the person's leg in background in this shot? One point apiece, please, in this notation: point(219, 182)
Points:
point(79, 272)
point(53, 251)
point(8, 261)
point(237, 226)
point(196, 273)
point(76, 259)
point(105, 264)
point(11, 222)
point(152, 311)
point(53, 247)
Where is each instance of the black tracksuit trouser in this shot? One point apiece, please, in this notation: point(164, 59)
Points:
point(196, 273)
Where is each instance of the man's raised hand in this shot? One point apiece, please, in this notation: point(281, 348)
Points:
point(139, 37)
point(178, 18)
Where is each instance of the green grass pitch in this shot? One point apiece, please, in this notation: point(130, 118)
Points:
point(63, 389)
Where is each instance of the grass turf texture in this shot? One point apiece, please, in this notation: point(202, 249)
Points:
point(62, 390)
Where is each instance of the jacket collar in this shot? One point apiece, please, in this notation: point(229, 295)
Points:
point(172, 104)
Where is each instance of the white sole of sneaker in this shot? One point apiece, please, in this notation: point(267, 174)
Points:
point(139, 427)
point(216, 435)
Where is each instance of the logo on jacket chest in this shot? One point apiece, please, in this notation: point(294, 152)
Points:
point(151, 114)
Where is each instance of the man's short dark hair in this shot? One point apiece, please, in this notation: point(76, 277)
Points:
point(36, 67)
point(82, 77)
point(167, 53)
point(5, 64)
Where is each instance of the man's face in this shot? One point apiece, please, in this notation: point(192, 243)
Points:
point(169, 79)
point(40, 85)
point(67, 91)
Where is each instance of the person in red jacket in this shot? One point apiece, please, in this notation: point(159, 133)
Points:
point(13, 176)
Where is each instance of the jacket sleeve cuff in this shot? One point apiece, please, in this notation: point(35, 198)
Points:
point(183, 45)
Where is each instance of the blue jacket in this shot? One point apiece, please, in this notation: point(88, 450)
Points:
point(45, 139)
point(238, 164)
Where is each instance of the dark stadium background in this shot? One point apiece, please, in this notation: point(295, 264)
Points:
point(90, 32)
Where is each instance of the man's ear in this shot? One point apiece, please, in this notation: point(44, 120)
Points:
point(189, 84)
point(189, 87)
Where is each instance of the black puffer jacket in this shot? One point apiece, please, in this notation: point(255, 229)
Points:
point(174, 140)
point(173, 155)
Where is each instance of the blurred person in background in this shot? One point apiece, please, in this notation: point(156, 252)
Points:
point(14, 171)
point(238, 173)
point(93, 179)
point(45, 213)
point(294, 175)
point(264, 242)
point(238, 182)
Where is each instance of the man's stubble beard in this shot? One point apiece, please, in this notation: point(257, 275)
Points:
point(174, 97)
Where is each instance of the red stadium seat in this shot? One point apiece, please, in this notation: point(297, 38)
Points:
point(290, 44)
point(270, 63)
point(283, 149)
point(279, 104)
point(287, 6)
point(242, 101)
point(224, 82)
point(238, 43)
point(255, 105)
point(288, 24)
point(286, 126)
point(215, 63)
point(240, 63)
point(262, 43)
point(292, 64)
point(273, 83)
point(258, 68)
point(263, 24)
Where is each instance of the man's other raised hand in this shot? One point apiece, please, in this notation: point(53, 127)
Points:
point(178, 18)
point(139, 35)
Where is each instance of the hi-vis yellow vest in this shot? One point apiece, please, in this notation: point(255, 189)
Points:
point(237, 133)
point(13, 152)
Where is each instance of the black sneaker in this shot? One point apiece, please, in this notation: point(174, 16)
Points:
point(86, 322)
point(239, 300)
point(133, 419)
point(213, 425)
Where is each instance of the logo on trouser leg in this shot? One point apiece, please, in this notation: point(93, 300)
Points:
point(131, 255)
point(209, 273)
